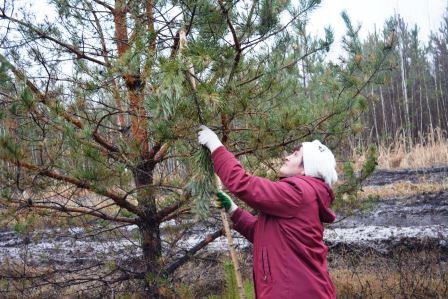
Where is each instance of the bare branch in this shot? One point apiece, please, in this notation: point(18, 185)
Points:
point(50, 103)
point(182, 260)
point(40, 33)
point(160, 154)
point(175, 214)
point(172, 208)
point(119, 199)
point(236, 41)
point(115, 92)
point(265, 37)
point(102, 3)
point(83, 211)
point(289, 64)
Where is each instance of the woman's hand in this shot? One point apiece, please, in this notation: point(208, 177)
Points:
point(224, 201)
point(208, 138)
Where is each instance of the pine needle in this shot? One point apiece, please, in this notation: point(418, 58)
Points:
point(202, 186)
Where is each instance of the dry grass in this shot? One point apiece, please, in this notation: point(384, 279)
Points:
point(356, 274)
point(403, 274)
point(386, 284)
point(432, 151)
point(400, 189)
point(19, 280)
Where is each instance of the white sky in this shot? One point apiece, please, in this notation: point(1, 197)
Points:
point(427, 14)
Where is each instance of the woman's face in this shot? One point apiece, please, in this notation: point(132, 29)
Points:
point(292, 164)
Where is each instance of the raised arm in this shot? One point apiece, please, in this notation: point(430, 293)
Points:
point(245, 223)
point(275, 198)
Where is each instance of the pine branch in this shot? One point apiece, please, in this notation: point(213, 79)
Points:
point(315, 50)
point(275, 145)
point(162, 214)
point(116, 156)
point(115, 91)
point(40, 33)
point(175, 215)
point(236, 41)
point(102, 3)
point(182, 260)
point(119, 199)
point(190, 23)
point(84, 211)
point(265, 37)
point(50, 103)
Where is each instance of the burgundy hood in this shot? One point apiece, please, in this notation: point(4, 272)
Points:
point(325, 197)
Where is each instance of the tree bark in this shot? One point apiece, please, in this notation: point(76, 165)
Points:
point(405, 94)
point(421, 112)
point(428, 105)
point(384, 111)
point(374, 116)
point(442, 101)
point(437, 98)
point(149, 229)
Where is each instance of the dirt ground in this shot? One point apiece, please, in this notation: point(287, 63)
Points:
point(396, 249)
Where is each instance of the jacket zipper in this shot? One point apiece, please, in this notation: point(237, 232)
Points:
point(265, 264)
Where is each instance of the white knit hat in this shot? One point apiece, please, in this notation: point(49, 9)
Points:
point(318, 161)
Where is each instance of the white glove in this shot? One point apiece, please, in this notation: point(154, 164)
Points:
point(208, 138)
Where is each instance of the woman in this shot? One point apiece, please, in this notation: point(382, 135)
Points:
point(290, 257)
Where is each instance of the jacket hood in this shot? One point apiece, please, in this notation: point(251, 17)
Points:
point(325, 197)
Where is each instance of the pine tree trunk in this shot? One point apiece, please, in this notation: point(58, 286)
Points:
point(151, 248)
point(413, 117)
point(384, 111)
point(149, 229)
point(393, 111)
point(437, 99)
point(428, 105)
point(399, 110)
point(374, 118)
point(421, 112)
point(444, 121)
point(405, 95)
point(143, 177)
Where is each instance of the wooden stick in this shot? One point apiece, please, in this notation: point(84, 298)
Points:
point(236, 267)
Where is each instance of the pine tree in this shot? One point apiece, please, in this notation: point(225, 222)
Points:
point(101, 99)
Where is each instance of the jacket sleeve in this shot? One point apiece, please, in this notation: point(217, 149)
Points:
point(244, 223)
point(279, 199)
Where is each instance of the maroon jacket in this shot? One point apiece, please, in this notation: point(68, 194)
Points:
point(290, 257)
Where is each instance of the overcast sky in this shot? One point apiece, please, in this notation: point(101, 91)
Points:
point(427, 14)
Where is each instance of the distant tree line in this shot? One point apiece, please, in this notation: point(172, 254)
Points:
point(411, 99)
